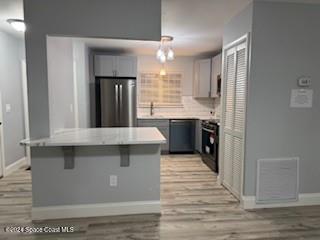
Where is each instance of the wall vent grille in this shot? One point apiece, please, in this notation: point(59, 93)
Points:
point(277, 180)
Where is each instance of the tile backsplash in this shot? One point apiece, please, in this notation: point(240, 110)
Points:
point(201, 108)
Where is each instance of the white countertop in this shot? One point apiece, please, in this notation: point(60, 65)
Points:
point(100, 136)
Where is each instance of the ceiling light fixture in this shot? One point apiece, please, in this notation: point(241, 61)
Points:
point(170, 54)
point(17, 24)
point(165, 51)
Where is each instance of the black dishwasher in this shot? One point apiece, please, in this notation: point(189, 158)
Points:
point(182, 135)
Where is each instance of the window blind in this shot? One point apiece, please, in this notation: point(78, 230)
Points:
point(161, 90)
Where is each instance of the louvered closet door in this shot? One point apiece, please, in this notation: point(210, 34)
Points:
point(228, 117)
point(233, 117)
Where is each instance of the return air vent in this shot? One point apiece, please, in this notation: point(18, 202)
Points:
point(277, 180)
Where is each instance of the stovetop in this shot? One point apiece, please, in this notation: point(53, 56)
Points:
point(210, 124)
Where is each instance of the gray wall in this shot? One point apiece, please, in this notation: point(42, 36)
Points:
point(238, 26)
point(60, 82)
point(139, 19)
point(285, 46)
point(12, 52)
point(88, 182)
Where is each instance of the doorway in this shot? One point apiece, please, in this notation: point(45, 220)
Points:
point(25, 106)
point(2, 160)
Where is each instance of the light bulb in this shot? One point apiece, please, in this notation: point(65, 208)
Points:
point(17, 24)
point(163, 58)
point(163, 72)
point(170, 54)
point(159, 53)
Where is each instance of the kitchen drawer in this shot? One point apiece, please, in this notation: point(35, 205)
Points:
point(153, 122)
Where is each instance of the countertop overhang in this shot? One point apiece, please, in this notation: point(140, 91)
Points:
point(100, 136)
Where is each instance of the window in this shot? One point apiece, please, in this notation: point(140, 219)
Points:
point(163, 91)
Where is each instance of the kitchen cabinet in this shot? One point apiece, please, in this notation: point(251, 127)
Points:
point(104, 65)
point(202, 78)
point(216, 76)
point(115, 66)
point(198, 136)
point(163, 127)
point(126, 66)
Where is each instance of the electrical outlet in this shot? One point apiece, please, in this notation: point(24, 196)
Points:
point(113, 180)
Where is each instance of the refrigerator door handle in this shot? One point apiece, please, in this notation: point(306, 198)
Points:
point(117, 102)
point(120, 104)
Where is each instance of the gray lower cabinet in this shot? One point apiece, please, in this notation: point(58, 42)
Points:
point(162, 125)
point(198, 136)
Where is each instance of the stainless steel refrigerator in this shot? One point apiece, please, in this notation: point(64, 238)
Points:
point(116, 102)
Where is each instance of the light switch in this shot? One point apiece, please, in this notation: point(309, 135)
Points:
point(8, 108)
point(113, 180)
point(71, 108)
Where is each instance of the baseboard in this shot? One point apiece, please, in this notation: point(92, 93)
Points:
point(95, 210)
point(308, 199)
point(15, 166)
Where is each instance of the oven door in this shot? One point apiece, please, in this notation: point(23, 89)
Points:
point(209, 149)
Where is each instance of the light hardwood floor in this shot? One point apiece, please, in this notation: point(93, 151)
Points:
point(194, 207)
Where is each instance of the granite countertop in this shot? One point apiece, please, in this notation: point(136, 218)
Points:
point(100, 136)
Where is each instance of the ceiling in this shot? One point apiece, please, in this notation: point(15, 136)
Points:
point(196, 25)
point(10, 9)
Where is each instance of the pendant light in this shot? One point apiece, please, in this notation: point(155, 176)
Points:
point(170, 54)
point(163, 58)
point(165, 51)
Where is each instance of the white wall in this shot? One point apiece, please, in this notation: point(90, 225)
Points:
point(285, 46)
point(190, 106)
point(60, 83)
point(12, 52)
point(68, 79)
point(81, 78)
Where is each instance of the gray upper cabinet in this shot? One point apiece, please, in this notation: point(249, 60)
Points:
point(216, 72)
point(126, 66)
point(115, 66)
point(104, 65)
point(202, 78)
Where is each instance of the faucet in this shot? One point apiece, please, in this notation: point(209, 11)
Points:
point(151, 109)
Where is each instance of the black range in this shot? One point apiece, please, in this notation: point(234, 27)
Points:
point(210, 144)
